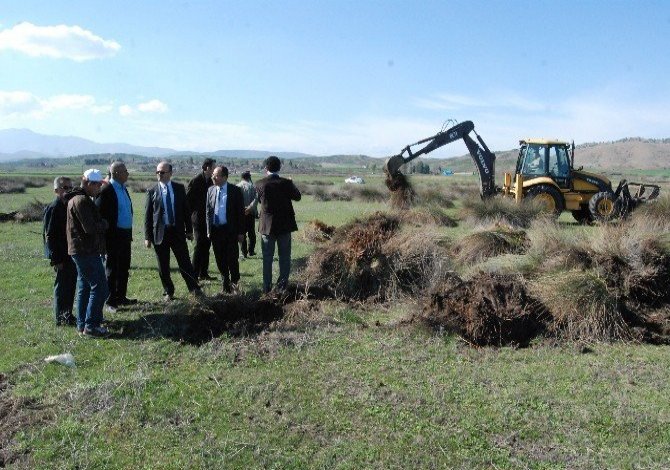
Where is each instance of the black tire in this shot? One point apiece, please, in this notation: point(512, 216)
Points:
point(583, 215)
point(604, 207)
point(546, 194)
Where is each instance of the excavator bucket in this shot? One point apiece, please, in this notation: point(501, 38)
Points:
point(393, 164)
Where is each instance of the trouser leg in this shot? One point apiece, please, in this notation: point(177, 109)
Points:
point(218, 246)
point(284, 253)
point(201, 252)
point(92, 281)
point(180, 250)
point(163, 257)
point(65, 284)
point(268, 250)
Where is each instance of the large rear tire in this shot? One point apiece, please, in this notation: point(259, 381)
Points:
point(604, 207)
point(550, 197)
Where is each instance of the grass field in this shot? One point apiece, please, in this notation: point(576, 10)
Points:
point(359, 390)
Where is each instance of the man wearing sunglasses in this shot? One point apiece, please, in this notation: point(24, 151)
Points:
point(55, 249)
point(167, 225)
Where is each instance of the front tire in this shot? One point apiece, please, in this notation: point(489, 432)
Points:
point(604, 207)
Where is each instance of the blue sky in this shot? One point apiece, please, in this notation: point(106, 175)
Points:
point(330, 77)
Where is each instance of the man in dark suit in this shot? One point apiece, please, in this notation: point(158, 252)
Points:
point(196, 193)
point(116, 208)
point(167, 225)
point(55, 248)
point(277, 221)
point(225, 226)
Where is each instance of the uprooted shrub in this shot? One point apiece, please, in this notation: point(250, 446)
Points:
point(427, 215)
point(403, 195)
point(657, 210)
point(582, 306)
point(552, 248)
point(374, 258)
point(316, 231)
point(484, 244)
point(501, 210)
point(31, 212)
point(488, 309)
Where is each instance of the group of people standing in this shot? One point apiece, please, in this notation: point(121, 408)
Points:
point(88, 234)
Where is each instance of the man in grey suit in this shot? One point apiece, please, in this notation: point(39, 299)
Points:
point(224, 212)
point(167, 225)
point(277, 221)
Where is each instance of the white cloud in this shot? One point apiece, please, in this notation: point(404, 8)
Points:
point(153, 106)
point(23, 104)
point(59, 42)
point(125, 110)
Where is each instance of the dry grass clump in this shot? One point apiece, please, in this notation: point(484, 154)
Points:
point(484, 244)
point(657, 209)
point(583, 307)
point(553, 248)
point(500, 209)
point(488, 309)
point(322, 194)
point(366, 193)
point(427, 215)
point(434, 197)
point(403, 195)
point(373, 258)
point(11, 186)
point(31, 212)
point(316, 231)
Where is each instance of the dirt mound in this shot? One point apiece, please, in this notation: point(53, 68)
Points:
point(373, 259)
point(403, 195)
point(16, 415)
point(489, 309)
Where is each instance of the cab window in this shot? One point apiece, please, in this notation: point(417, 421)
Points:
point(559, 163)
point(534, 163)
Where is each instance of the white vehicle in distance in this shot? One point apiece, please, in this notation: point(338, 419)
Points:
point(354, 180)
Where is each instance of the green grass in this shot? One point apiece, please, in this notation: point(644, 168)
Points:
point(361, 392)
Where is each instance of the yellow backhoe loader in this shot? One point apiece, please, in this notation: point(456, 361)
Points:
point(544, 172)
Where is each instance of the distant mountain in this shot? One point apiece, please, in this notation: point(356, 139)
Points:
point(19, 144)
point(24, 143)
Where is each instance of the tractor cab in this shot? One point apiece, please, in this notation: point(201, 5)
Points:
point(545, 158)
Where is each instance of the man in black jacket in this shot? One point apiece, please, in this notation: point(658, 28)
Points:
point(55, 248)
point(197, 195)
point(167, 225)
point(117, 209)
point(225, 226)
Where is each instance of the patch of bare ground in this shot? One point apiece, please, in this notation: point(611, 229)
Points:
point(17, 414)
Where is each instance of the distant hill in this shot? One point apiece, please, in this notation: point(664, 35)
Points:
point(19, 144)
point(628, 153)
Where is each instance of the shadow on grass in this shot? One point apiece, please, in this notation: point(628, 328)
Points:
point(196, 323)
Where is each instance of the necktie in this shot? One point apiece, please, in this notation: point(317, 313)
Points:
point(168, 201)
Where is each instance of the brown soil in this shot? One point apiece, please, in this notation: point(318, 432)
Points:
point(403, 195)
point(486, 310)
point(16, 415)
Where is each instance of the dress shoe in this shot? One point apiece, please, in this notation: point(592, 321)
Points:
point(111, 308)
point(168, 297)
point(206, 277)
point(198, 293)
point(127, 301)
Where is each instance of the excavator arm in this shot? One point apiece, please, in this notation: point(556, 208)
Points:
point(483, 158)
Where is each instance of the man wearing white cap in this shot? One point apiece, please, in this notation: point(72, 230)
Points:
point(86, 245)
